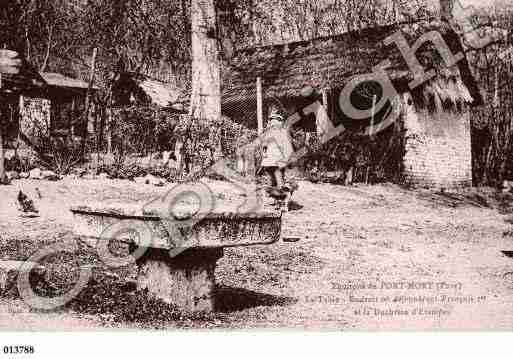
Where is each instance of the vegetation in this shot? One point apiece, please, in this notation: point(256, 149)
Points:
point(153, 37)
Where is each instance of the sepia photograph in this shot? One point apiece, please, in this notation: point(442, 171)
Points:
point(255, 165)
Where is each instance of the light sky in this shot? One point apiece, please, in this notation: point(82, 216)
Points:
point(479, 3)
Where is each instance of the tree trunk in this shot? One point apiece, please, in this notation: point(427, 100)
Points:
point(206, 76)
point(2, 156)
point(109, 130)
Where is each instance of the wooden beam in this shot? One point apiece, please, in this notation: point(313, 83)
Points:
point(89, 124)
point(3, 178)
point(260, 106)
point(325, 99)
point(373, 114)
point(71, 122)
point(90, 85)
point(321, 125)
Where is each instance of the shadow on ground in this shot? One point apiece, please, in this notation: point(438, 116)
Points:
point(508, 254)
point(294, 206)
point(456, 200)
point(229, 299)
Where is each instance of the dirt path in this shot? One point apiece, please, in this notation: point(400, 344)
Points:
point(376, 257)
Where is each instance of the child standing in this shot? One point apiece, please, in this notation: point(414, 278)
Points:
point(277, 149)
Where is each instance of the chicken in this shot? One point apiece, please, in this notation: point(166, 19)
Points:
point(26, 205)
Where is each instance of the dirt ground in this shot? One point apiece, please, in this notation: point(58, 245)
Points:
point(370, 258)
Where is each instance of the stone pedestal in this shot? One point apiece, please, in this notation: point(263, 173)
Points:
point(186, 281)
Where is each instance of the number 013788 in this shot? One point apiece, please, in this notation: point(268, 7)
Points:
point(18, 349)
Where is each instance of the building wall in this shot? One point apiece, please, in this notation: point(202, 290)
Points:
point(438, 147)
point(34, 117)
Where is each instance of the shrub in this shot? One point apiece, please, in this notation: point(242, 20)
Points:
point(20, 164)
point(59, 154)
point(204, 142)
point(143, 130)
point(373, 159)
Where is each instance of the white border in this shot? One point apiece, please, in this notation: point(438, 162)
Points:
point(258, 344)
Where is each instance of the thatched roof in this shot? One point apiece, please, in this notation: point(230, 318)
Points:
point(330, 62)
point(483, 36)
point(59, 80)
point(135, 88)
point(27, 79)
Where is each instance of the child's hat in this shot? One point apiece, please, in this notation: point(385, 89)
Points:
point(276, 114)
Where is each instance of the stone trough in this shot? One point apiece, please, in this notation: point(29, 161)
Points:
point(176, 262)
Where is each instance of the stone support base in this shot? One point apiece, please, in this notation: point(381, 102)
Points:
point(186, 281)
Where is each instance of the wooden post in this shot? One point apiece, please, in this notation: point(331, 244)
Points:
point(179, 155)
point(2, 153)
point(88, 100)
point(496, 98)
point(71, 122)
point(371, 135)
point(89, 87)
point(321, 122)
point(109, 124)
point(325, 99)
point(373, 114)
point(109, 128)
point(2, 156)
point(260, 109)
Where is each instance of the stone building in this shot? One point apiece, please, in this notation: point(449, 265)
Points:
point(434, 111)
point(13, 88)
point(66, 98)
point(55, 108)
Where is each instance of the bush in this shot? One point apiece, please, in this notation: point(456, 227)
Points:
point(123, 170)
point(170, 174)
point(205, 142)
point(373, 160)
point(59, 155)
point(20, 164)
point(143, 130)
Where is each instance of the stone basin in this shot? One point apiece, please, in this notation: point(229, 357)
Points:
point(177, 265)
point(220, 228)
